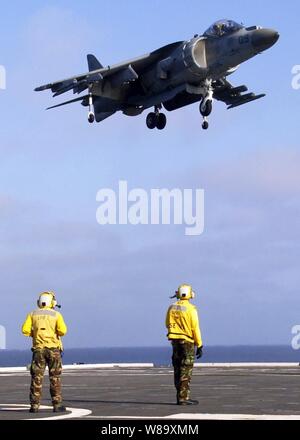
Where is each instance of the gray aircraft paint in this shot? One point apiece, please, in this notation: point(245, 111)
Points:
point(173, 76)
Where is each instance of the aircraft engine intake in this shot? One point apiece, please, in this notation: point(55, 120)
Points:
point(194, 55)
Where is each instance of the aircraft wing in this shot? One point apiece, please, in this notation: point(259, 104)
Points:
point(233, 96)
point(118, 73)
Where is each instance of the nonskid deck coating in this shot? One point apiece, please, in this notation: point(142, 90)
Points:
point(148, 392)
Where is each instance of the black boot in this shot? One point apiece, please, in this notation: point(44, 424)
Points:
point(34, 409)
point(187, 402)
point(59, 408)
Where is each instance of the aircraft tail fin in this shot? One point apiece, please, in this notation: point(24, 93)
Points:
point(93, 63)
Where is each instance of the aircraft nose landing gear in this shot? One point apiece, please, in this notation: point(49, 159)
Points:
point(206, 105)
point(156, 119)
point(205, 123)
point(205, 110)
point(91, 114)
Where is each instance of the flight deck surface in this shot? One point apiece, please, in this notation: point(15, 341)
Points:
point(131, 392)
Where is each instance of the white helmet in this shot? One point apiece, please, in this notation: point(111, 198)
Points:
point(185, 291)
point(47, 299)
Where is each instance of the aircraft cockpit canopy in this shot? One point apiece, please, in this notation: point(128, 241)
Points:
point(222, 27)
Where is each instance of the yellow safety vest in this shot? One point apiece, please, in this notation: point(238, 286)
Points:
point(45, 326)
point(182, 322)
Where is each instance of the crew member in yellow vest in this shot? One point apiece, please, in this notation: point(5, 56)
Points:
point(45, 326)
point(183, 331)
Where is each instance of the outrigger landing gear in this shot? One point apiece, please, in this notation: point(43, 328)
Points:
point(91, 115)
point(206, 105)
point(156, 119)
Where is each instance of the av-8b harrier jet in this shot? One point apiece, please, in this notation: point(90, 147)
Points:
point(172, 77)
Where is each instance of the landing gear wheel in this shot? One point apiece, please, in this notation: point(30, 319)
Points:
point(91, 117)
point(205, 125)
point(151, 120)
point(161, 121)
point(206, 109)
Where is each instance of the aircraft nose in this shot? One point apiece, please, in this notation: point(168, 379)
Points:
point(263, 39)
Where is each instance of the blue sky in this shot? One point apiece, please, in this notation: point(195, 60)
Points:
point(114, 281)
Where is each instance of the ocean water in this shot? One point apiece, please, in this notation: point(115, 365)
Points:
point(159, 355)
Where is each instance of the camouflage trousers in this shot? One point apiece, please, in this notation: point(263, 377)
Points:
point(41, 358)
point(183, 362)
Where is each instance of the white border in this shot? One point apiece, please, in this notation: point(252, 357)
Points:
point(74, 412)
point(151, 365)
